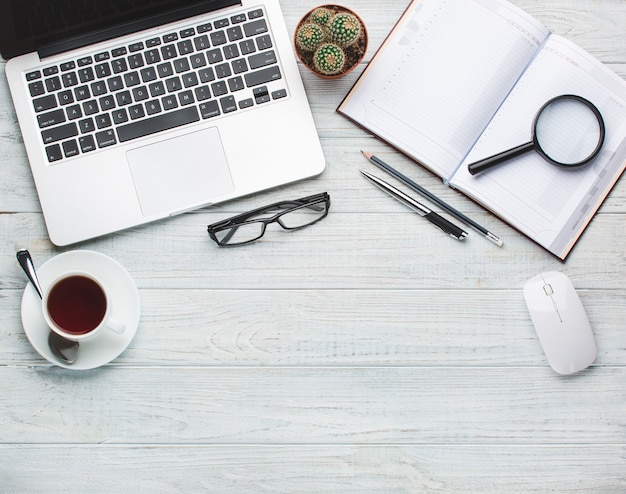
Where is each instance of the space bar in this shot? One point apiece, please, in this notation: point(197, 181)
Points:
point(156, 124)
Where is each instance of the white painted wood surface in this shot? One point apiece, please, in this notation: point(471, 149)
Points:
point(368, 353)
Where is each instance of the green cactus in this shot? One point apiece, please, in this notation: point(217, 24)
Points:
point(329, 59)
point(344, 29)
point(309, 37)
point(321, 16)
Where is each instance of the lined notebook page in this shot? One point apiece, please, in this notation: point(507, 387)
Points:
point(442, 74)
point(550, 204)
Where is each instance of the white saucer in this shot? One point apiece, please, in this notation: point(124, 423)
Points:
point(124, 300)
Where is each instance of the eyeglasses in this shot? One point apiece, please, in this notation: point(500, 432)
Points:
point(291, 215)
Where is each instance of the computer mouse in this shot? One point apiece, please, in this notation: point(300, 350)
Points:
point(561, 322)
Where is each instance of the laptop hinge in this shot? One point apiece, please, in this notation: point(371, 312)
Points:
point(75, 42)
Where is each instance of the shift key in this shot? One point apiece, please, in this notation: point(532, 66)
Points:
point(263, 76)
point(59, 133)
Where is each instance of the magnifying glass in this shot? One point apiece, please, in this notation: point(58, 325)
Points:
point(568, 131)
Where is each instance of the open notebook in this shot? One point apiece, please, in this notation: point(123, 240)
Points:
point(460, 80)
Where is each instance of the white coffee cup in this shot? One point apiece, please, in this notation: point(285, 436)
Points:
point(77, 307)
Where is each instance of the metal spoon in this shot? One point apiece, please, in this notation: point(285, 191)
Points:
point(64, 349)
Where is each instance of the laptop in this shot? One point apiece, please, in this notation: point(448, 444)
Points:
point(133, 111)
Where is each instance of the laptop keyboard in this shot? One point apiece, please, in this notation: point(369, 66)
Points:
point(193, 74)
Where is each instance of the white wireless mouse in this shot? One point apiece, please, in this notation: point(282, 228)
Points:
point(561, 322)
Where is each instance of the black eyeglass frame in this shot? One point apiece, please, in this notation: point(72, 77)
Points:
point(286, 206)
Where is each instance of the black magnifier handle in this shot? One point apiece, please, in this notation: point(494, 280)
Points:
point(483, 164)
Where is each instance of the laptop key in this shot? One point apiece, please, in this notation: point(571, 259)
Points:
point(119, 65)
point(228, 104)
point(136, 111)
point(219, 88)
point(205, 28)
point(135, 47)
point(190, 79)
point(86, 125)
point(70, 148)
point(66, 97)
point(59, 133)
point(69, 79)
point(159, 123)
point(198, 60)
point(168, 51)
point(202, 93)
point(53, 84)
point(54, 153)
point(218, 38)
point(186, 98)
point(153, 107)
point(86, 74)
point(185, 47)
point(264, 42)
point(169, 102)
point(148, 74)
point(255, 27)
point(36, 88)
point(202, 42)
point(119, 116)
point(106, 138)
point(152, 56)
point(262, 59)
point(31, 76)
point(209, 109)
point(135, 61)
point(82, 93)
point(118, 52)
point(281, 93)
point(263, 76)
point(234, 33)
point(87, 143)
point(51, 118)
point(103, 70)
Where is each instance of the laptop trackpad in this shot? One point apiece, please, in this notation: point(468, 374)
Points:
point(180, 173)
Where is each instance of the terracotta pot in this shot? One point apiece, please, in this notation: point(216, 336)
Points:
point(354, 53)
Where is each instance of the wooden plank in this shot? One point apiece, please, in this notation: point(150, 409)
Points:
point(351, 468)
point(311, 405)
point(336, 328)
point(345, 250)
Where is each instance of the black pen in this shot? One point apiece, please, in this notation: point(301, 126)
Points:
point(439, 221)
point(429, 195)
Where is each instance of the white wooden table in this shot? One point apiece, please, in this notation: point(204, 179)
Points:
point(367, 353)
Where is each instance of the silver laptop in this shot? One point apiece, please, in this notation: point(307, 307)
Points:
point(135, 111)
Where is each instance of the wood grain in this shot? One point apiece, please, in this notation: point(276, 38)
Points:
point(367, 353)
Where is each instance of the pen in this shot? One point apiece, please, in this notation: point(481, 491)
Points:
point(440, 222)
point(429, 195)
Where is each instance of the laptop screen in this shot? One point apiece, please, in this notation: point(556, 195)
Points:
point(53, 26)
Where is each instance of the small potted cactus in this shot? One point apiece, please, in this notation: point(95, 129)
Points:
point(330, 40)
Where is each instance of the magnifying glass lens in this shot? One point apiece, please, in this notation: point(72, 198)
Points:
point(568, 131)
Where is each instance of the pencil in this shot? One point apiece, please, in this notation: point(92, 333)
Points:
point(432, 197)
